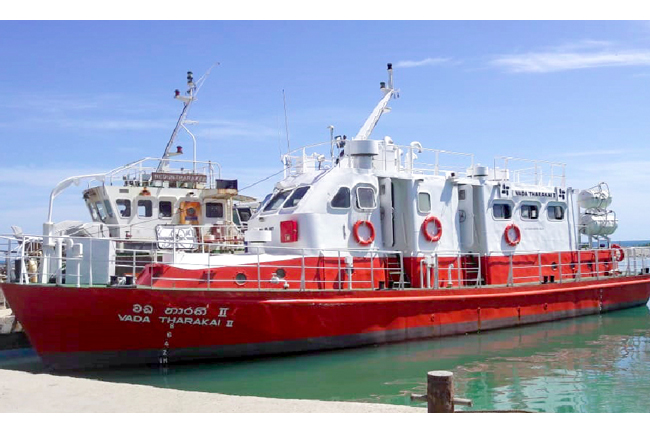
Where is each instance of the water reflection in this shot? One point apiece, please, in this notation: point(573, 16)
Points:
point(591, 364)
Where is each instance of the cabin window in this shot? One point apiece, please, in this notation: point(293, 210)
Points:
point(502, 211)
point(342, 198)
point(145, 209)
point(365, 197)
point(244, 214)
point(277, 200)
point(165, 209)
point(93, 211)
point(555, 212)
point(214, 210)
point(529, 212)
point(424, 202)
point(295, 198)
point(109, 208)
point(461, 194)
point(101, 211)
point(123, 207)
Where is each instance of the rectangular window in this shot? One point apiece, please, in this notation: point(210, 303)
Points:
point(277, 200)
point(101, 211)
point(529, 212)
point(165, 209)
point(145, 209)
point(365, 198)
point(109, 208)
point(502, 211)
point(424, 202)
point(342, 198)
point(123, 207)
point(214, 210)
point(295, 198)
point(555, 212)
point(461, 194)
point(93, 211)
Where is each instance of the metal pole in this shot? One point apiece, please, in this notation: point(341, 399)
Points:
point(510, 273)
point(302, 271)
point(372, 271)
point(436, 277)
point(259, 272)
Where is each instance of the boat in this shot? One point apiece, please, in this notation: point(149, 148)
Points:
point(364, 241)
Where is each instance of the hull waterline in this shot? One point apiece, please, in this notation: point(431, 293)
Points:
point(107, 326)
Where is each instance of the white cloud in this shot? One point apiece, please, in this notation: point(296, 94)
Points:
point(417, 63)
point(578, 55)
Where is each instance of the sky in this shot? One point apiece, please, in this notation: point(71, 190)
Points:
point(85, 97)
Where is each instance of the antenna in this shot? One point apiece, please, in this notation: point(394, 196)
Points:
point(286, 121)
point(187, 99)
point(382, 107)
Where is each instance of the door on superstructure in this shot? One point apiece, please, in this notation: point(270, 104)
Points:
point(387, 211)
point(466, 217)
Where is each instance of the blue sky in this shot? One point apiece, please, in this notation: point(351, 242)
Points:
point(83, 97)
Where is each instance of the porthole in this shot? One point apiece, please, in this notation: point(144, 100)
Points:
point(281, 273)
point(240, 278)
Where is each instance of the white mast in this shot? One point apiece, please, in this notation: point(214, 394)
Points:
point(192, 91)
point(382, 107)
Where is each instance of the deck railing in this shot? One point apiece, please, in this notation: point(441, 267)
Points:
point(82, 261)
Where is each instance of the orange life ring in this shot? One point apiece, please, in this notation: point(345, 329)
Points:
point(510, 241)
point(359, 239)
point(425, 229)
point(619, 254)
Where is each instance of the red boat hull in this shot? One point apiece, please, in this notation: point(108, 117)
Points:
point(99, 327)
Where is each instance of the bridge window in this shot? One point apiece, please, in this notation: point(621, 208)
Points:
point(277, 200)
point(342, 198)
point(295, 198)
point(123, 207)
point(555, 212)
point(502, 211)
point(214, 210)
point(165, 209)
point(101, 210)
point(93, 211)
point(109, 208)
point(145, 209)
point(529, 212)
point(424, 202)
point(365, 197)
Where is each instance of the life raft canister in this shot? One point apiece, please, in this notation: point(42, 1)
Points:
point(431, 237)
point(512, 241)
point(619, 254)
point(359, 239)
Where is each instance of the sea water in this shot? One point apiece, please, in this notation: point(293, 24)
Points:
point(596, 363)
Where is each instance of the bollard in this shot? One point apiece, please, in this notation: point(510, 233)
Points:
point(440, 392)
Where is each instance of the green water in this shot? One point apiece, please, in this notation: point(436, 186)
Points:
point(590, 364)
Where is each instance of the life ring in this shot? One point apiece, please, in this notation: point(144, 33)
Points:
point(359, 239)
point(425, 229)
point(509, 240)
point(619, 254)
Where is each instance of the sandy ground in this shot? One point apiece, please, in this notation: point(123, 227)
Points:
point(26, 392)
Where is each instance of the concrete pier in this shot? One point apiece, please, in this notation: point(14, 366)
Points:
point(26, 392)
